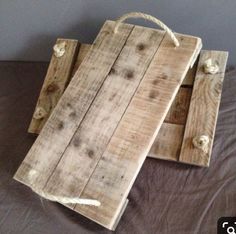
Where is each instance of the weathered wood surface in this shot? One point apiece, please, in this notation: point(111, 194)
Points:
point(71, 109)
point(201, 116)
point(89, 143)
point(111, 149)
point(178, 111)
point(56, 80)
point(203, 109)
point(182, 98)
point(168, 142)
point(83, 50)
point(116, 171)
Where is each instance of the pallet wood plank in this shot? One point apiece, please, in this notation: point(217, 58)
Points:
point(178, 111)
point(83, 50)
point(116, 171)
point(56, 80)
point(189, 79)
point(88, 144)
point(203, 110)
point(168, 142)
point(72, 107)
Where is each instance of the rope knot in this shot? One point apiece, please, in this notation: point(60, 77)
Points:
point(210, 67)
point(59, 49)
point(201, 142)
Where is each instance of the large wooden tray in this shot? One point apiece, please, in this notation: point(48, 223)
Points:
point(97, 137)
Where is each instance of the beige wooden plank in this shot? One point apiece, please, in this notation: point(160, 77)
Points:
point(168, 142)
point(189, 79)
point(178, 111)
point(58, 75)
point(203, 110)
point(83, 50)
point(116, 171)
point(50, 145)
point(94, 133)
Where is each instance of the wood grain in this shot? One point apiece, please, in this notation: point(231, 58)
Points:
point(178, 111)
point(95, 141)
point(58, 131)
point(83, 50)
point(181, 97)
point(116, 171)
point(168, 142)
point(89, 143)
point(203, 110)
point(56, 80)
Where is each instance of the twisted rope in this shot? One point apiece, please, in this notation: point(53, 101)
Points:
point(147, 17)
point(62, 199)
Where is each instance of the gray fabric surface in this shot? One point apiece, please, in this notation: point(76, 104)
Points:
point(167, 197)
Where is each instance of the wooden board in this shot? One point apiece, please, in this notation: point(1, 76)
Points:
point(174, 141)
point(56, 80)
point(203, 110)
point(91, 145)
point(168, 142)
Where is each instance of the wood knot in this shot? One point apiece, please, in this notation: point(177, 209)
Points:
point(141, 46)
point(201, 142)
point(210, 66)
point(51, 88)
point(60, 125)
point(39, 113)
point(153, 94)
point(90, 153)
point(59, 49)
point(129, 75)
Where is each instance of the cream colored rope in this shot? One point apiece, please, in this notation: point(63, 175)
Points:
point(147, 17)
point(61, 199)
point(67, 200)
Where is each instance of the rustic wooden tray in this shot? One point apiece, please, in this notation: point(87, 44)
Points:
point(97, 137)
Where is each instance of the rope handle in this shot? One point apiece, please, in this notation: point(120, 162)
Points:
point(147, 17)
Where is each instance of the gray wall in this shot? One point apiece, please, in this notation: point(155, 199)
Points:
point(29, 28)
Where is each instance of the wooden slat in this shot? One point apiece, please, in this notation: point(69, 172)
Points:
point(57, 78)
point(116, 171)
point(50, 145)
point(83, 50)
point(168, 142)
point(203, 110)
point(178, 111)
point(189, 79)
point(89, 143)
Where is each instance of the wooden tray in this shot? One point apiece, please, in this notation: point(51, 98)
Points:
point(97, 137)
